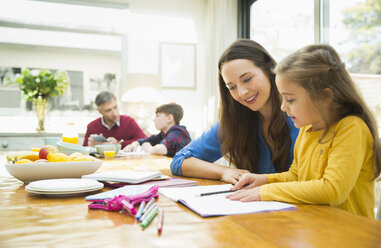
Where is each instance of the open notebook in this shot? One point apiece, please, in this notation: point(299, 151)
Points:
point(216, 205)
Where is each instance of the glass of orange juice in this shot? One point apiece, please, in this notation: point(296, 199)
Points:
point(35, 148)
point(73, 140)
point(70, 135)
point(109, 153)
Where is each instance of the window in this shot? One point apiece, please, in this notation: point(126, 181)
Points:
point(282, 26)
point(353, 27)
point(62, 25)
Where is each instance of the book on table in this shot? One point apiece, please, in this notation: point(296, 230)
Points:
point(135, 189)
point(125, 176)
point(162, 181)
point(218, 204)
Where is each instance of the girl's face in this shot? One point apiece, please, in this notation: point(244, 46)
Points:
point(298, 105)
point(246, 83)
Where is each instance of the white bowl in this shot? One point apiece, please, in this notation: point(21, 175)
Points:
point(68, 152)
point(64, 146)
point(51, 170)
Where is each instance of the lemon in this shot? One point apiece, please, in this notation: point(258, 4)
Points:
point(23, 161)
point(84, 158)
point(75, 155)
point(58, 157)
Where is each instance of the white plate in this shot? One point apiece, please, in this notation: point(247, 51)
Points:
point(63, 186)
point(39, 171)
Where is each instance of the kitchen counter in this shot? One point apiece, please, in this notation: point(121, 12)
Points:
point(24, 140)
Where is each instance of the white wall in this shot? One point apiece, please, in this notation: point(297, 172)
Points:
point(185, 22)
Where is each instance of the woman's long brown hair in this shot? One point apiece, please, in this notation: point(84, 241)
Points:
point(239, 125)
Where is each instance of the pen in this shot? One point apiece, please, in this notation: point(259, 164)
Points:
point(161, 221)
point(140, 211)
point(147, 213)
point(216, 192)
point(149, 218)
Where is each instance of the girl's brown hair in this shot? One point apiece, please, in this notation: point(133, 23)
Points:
point(318, 67)
point(239, 125)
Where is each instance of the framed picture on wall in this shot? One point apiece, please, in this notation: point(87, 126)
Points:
point(177, 65)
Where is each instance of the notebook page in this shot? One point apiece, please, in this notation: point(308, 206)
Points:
point(218, 204)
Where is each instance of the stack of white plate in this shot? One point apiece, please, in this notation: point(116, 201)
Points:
point(63, 186)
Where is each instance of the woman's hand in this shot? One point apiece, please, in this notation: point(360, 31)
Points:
point(245, 195)
point(232, 176)
point(249, 181)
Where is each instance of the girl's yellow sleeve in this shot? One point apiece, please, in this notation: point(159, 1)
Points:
point(349, 153)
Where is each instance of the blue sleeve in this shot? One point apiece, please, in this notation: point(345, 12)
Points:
point(153, 139)
point(206, 147)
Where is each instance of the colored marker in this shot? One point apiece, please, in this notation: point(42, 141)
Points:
point(149, 204)
point(147, 213)
point(161, 221)
point(140, 211)
point(149, 218)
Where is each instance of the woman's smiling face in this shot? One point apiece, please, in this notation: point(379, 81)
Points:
point(247, 83)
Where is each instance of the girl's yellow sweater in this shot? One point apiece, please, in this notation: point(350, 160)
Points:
point(338, 171)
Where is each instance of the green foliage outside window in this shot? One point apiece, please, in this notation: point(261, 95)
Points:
point(364, 21)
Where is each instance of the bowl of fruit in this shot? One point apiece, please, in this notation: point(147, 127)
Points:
point(49, 163)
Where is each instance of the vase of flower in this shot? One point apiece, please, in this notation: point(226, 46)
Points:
point(40, 104)
point(39, 86)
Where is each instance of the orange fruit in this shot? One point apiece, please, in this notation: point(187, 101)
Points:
point(58, 157)
point(23, 161)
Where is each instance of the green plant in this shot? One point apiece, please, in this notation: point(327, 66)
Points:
point(42, 83)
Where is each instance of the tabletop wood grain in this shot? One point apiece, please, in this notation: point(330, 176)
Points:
point(29, 220)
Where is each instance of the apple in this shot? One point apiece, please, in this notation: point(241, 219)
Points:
point(44, 151)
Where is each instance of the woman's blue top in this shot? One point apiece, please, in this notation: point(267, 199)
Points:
point(207, 148)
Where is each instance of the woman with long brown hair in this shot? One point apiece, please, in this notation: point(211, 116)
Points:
point(253, 133)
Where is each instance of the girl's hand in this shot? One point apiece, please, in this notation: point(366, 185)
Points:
point(249, 181)
point(233, 175)
point(245, 195)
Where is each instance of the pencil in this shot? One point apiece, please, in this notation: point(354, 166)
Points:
point(217, 192)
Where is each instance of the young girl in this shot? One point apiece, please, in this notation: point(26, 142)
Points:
point(253, 133)
point(337, 154)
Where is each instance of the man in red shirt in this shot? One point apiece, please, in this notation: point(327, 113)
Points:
point(114, 127)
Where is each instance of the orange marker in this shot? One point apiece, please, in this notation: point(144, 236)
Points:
point(161, 221)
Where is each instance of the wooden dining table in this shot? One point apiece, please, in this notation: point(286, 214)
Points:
point(32, 220)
